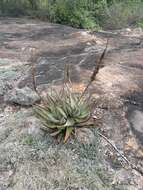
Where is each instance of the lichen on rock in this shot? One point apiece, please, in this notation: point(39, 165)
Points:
point(24, 96)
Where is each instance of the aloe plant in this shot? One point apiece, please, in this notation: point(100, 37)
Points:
point(62, 112)
point(65, 110)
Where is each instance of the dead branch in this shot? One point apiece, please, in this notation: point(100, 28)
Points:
point(34, 77)
point(122, 155)
point(96, 70)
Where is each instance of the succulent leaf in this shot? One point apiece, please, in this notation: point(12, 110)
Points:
point(69, 123)
point(62, 111)
point(68, 133)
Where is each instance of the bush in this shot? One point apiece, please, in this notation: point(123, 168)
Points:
point(13, 8)
point(73, 13)
point(120, 14)
point(90, 14)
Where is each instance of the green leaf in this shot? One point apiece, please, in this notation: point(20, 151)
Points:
point(56, 133)
point(48, 125)
point(62, 112)
point(72, 101)
point(69, 123)
point(68, 133)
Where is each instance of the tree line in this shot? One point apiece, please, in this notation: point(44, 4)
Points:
point(110, 14)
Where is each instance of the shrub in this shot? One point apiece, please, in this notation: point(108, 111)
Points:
point(110, 14)
point(73, 13)
point(120, 14)
point(13, 8)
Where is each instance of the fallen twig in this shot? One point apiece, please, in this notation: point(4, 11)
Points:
point(34, 77)
point(122, 155)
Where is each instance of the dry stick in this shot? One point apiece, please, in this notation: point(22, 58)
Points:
point(34, 82)
point(34, 77)
point(33, 70)
point(116, 149)
point(67, 80)
point(66, 73)
point(96, 70)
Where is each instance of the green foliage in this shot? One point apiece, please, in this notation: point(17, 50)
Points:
point(109, 14)
point(13, 8)
point(120, 14)
point(28, 140)
point(73, 13)
point(140, 24)
point(62, 112)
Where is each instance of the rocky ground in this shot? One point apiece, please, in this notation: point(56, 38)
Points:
point(31, 159)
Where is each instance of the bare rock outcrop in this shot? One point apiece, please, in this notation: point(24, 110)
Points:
point(30, 158)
